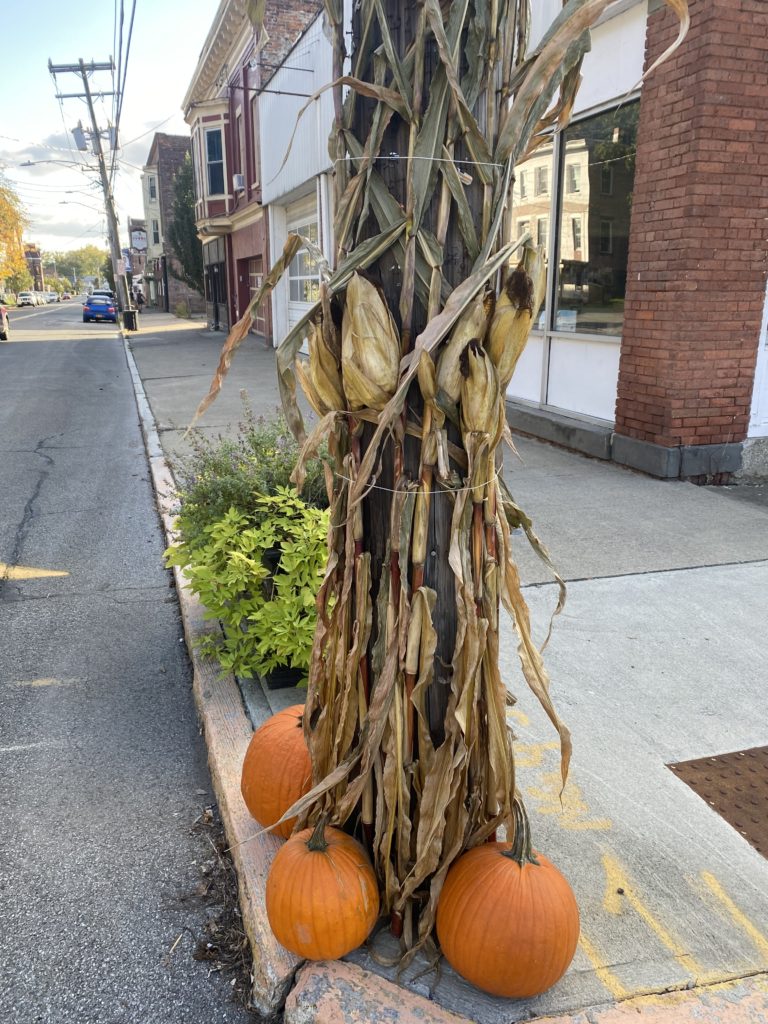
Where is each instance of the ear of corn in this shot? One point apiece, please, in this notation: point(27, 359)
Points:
point(471, 324)
point(324, 371)
point(479, 391)
point(517, 307)
point(370, 347)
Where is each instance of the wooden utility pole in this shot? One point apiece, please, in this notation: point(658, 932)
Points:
point(395, 168)
point(83, 69)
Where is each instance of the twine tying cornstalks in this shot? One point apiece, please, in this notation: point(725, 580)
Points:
point(422, 792)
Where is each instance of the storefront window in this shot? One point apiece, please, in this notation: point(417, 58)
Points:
point(594, 211)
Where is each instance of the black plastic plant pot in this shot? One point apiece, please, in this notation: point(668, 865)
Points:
point(283, 676)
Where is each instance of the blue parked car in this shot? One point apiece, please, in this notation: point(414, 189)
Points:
point(99, 307)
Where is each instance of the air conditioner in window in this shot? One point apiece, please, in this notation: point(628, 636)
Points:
point(238, 183)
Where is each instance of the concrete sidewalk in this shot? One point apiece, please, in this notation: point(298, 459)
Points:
point(659, 656)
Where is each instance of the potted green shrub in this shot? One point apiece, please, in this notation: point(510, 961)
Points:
point(252, 549)
point(259, 575)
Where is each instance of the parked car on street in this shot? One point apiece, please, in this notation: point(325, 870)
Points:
point(4, 327)
point(51, 297)
point(26, 299)
point(99, 307)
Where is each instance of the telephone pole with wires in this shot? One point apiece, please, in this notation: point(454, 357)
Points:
point(83, 69)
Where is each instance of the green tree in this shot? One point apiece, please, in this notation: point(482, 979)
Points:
point(12, 223)
point(182, 232)
point(21, 281)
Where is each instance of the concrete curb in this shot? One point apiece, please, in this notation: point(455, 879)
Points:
point(227, 730)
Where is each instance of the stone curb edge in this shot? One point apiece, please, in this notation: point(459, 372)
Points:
point(227, 731)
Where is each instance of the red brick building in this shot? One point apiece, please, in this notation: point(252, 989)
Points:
point(222, 109)
point(697, 262)
point(162, 287)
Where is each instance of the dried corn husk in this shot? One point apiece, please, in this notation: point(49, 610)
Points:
point(370, 347)
point(324, 370)
point(471, 324)
point(479, 391)
point(517, 307)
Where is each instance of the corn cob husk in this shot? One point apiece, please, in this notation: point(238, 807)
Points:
point(479, 391)
point(517, 307)
point(471, 324)
point(324, 371)
point(370, 347)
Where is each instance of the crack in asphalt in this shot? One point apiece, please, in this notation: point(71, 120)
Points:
point(23, 528)
point(113, 594)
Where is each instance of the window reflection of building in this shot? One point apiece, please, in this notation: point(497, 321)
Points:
point(593, 212)
point(573, 197)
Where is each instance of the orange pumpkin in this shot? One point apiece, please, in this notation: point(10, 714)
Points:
point(322, 897)
point(277, 769)
point(507, 920)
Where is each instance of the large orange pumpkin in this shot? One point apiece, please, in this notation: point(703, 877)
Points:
point(322, 897)
point(507, 920)
point(277, 769)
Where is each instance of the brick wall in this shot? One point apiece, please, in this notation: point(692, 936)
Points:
point(171, 153)
point(697, 260)
point(284, 20)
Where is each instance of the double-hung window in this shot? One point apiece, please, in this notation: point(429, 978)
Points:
point(214, 158)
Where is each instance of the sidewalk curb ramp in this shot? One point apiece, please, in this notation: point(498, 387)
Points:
point(335, 992)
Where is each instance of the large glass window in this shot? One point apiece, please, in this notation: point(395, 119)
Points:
point(594, 210)
point(214, 154)
point(303, 273)
point(531, 206)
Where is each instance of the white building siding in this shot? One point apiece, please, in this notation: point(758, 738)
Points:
point(307, 68)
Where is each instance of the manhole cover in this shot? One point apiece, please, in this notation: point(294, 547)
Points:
point(736, 786)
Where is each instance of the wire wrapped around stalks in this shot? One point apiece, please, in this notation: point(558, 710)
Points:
point(418, 802)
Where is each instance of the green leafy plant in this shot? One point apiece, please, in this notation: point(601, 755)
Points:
point(233, 473)
point(259, 574)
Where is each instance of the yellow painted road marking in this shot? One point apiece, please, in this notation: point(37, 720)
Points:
point(47, 681)
point(26, 572)
point(571, 808)
point(737, 915)
point(613, 901)
point(608, 978)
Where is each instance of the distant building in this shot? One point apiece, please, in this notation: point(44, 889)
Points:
point(137, 251)
point(161, 287)
point(34, 261)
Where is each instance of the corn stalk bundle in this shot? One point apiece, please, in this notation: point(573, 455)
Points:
point(409, 360)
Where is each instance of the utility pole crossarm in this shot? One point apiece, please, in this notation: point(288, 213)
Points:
point(83, 69)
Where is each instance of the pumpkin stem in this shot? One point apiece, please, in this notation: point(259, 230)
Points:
point(520, 850)
point(316, 842)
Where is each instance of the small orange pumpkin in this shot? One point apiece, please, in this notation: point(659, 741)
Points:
point(507, 920)
point(322, 897)
point(277, 769)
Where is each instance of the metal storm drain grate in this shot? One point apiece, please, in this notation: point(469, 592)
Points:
point(736, 786)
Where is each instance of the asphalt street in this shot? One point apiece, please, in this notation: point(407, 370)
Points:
point(102, 769)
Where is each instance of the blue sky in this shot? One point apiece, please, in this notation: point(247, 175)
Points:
point(64, 204)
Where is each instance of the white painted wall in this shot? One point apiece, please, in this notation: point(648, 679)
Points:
point(583, 376)
point(758, 420)
point(278, 115)
point(614, 65)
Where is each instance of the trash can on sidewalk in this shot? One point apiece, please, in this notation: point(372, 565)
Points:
point(131, 319)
